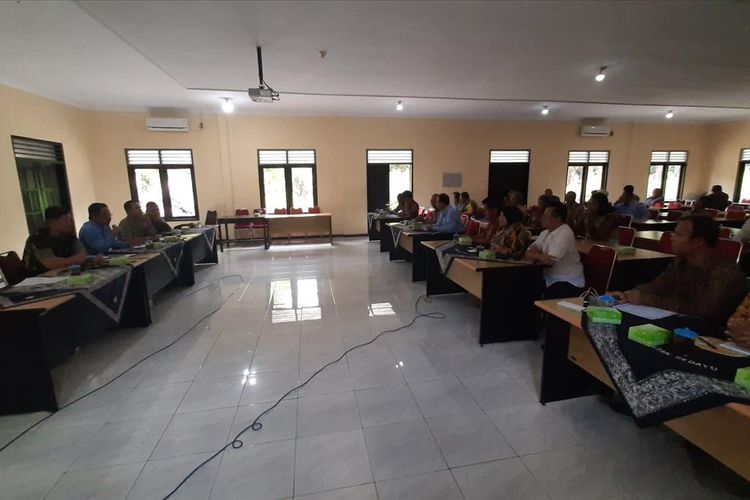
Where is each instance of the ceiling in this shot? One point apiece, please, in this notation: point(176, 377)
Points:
point(514, 57)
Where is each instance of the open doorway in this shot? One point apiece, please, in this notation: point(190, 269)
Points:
point(42, 178)
point(389, 172)
point(509, 171)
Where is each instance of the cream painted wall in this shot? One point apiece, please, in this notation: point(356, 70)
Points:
point(225, 154)
point(27, 115)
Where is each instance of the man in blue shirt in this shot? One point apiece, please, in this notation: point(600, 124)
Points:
point(449, 220)
point(96, 235)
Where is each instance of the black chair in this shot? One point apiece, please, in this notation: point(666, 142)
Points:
point(212, 218)
point(12, 267)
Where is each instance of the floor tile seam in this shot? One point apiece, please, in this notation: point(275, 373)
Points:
point(220, 458)
point(429, 429)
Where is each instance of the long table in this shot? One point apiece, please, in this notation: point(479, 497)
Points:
point(225, 220)
point(631, 270)
point(376, 221)
point(286, 226)
point(572, 368)
point(409, 248)
point(507, 291)
point(670, 225)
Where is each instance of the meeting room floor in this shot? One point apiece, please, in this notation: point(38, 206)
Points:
point(425, 413)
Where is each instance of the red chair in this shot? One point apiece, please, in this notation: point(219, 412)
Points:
point(673, 205)
point(735, 213)
point(665, 243)
point(712, 212)
point(597, 267)
point(472, 228)
point(624, 220)
point(464, 219)
point(313, 210)
point(12, 267)
point(295, 211)
point(731, 249)
point(674, 215)
point(626, 235)
point(279, 211)
point(725, 232)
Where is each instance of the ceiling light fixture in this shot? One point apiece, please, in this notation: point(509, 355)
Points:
point(600, 76)
point(399, 106)
point(227, 105)
point(545, 111)
point(669, 115)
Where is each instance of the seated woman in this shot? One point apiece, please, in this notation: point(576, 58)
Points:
point(512, 239)
point(600, 221)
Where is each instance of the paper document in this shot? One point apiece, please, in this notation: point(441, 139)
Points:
point(644, 311)
point(41, 280)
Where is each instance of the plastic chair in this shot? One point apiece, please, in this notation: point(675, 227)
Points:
point(464, 219)
point(735, 213)
point(472, 228)
point(12, 267)
point(673, 205)
point(725, 232)
point(295, 211)
point(242, 230)
point(597, 267)
point(211, 217)
point(313, 210)
point(674, 215)
point(626, 236)
point(624, 220)
point(731, 249)
point(279, 211)
point(665, 243)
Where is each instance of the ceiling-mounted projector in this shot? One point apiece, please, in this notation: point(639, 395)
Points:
point(263, 94)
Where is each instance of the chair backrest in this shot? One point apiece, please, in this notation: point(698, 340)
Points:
point(725, 232)
point(472, 228)
point(313, 210)
point(626, 235)
point(674, 215)
point(673, 205)
point(12, 267)
point(421, 211)
point(259, 211)
point(665, 243)
point(731, 249)
point(464, 219)
point(279, 211)
point(295, 211)
point(241, 211)
point(624, 220)
point(211, 218)
point(735, 213)
point(597, 267)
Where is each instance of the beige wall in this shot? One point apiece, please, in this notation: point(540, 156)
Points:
point(225, 154)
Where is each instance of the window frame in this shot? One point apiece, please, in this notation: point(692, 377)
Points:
point(367, 162)
point(586, 164)
point(666, 164)
point(164, 179)
point(287, 176)
point(741, 164)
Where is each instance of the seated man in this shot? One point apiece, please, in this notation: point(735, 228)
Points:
point(435, 211)
point(96, 235)
point(54, 246)
point(489, 230)
point(154, 215)
point(656, 200)
point(697, 282)
point(470, 206)
point(556, 249)
point(399, 204)
point(449, 220)
point(411, 207)
point(718, 199)
point(135, 227)
point(629, 204)
point(576, 211)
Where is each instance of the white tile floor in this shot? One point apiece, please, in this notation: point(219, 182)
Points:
point(421, 414)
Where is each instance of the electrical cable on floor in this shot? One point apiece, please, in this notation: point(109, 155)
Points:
point(237, 443)
point(191, 329)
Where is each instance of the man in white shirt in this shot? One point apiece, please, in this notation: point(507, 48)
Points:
point(556, 249)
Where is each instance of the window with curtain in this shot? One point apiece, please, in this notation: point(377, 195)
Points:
point(166, 177)
point(742, 188)
point(667, 172)
point(587, 172)
point(288, 178)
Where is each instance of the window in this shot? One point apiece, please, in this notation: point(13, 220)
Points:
point(287, 178)
point(587, 172)
point(667, 172)
point(166, 177)
point(399, 163)
point(742, 188)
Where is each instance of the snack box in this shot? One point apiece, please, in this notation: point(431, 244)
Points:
point(606, 315)
point(649, 335)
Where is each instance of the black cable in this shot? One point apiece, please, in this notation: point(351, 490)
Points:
point(237, 443)
point(66, 405)
point(193, 292)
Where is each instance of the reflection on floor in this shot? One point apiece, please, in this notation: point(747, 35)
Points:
point(422, 414)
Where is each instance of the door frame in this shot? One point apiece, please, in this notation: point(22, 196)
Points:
point(367, 150)
point(489, 168)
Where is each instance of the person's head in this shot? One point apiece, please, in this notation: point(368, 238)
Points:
point(629, 189)
point(152, 210)
point(408, 195)
point(716, 189)
point(570, 197)
point(59, 220)
point(443, 201)
point(509, 214)
point(456, 196)
point(548, 192)
point(694, 233)
point(491, 208)
point(99, 214)
point(132, 207)
point(554, 215)
point(515, 198)
point(599, 203)
point(627, 194)
point(656, 193)
point(400, 198)
point(433, 200)
point(465, 197)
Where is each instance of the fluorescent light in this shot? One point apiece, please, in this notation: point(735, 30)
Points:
point(545, 110)
point(227, 105)
point(669, 115)
point(600, 76)
point(400, 106)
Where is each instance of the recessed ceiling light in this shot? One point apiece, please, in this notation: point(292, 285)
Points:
point(600, 76)
point(545, 110)
point(227, 105)
point(400, 106)
point(669, 115)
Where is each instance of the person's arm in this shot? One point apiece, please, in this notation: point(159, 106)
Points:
point(657, 292)
point(50, 261)
point(96, 241)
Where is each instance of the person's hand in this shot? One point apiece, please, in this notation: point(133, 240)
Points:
point(633, 296)
point(619, 296)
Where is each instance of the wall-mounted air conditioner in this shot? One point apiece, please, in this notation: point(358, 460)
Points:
point(595, 131)
point(167, 124)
